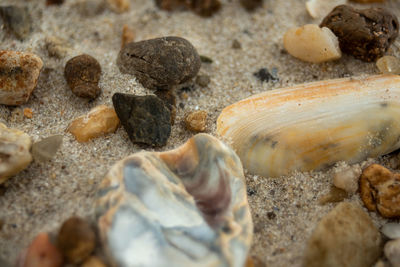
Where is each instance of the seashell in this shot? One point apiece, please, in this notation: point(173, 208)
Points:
point(312, 126)
point(185, 207)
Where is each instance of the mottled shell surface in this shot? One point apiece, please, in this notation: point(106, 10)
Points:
point(185, 207)
point(312, 126)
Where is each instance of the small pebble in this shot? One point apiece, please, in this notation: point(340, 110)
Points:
point(203, 80)
point(89, 8)
point(18, 77)
point(83, 74)
point(119, 6)
point(76, 240)
point(160, 63)
point(196, 121)
point(264, 75)
point(127, 35)
point(205, 59)
point(46, 148)
point(146, 119)
point(93, 262)
point(54, 2)
point(346, 236)
point(391, 230)
point(388, 65)
point(311, 43)
point(56, 47)
point(366, 34)
point(379, 188)
point(319, 8)
point(40, 253)
point(251, 5)
point(28, 113)
point(347, 178)
point(202, 8)
point(17, 20)
point(14, 152)
point(334, 195)
point(99, 121)
point(236, 44)
point(392, 252)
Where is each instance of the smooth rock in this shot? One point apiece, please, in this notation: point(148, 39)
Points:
point(203, 80)
point(392, 252)
point(19, 74)
point(99, 121)
point(379, 190)
point(391, 230)
point(40, 253)
point(185, 207)
point(83, 75)
point(311, 43)
point(334, 195)
point(196, 121)
point(203, 8)
point(347, 178)
point(93, 262)
point(388, 65)
point(160, 63)
point(345, 237)
point(14, 152)
point(76, 240)
point(17, 20)
point(365, 34)
point(146, 119)
point(46, 148)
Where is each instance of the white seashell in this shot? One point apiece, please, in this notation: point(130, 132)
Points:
point(391, 230)
point(312, 126)
point(185, 207)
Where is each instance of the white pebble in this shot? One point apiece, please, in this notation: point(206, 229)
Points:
point(391, 230)
point(347, 178)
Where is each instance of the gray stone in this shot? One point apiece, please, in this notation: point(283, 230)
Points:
point(391, 230)
point(46, 148)
point(17, 20)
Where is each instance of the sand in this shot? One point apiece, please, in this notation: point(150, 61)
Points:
point(45, 194)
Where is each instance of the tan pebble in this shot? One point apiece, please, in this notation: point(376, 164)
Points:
point(76, 240)
point(40, 253)
point(347, 178)
point(392, 252)
point(100, 120)
point(388, 65)
point(334, 195)
point(18, 77)
point(56, 47)
point(311, 43)
point(28, 113)
point(196, 121)
point(379, 190)
point(127, 35)
point(14, 152)
point(119, 6)
point(93, 262)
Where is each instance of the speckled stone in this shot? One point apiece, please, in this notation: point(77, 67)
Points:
point(185, 207)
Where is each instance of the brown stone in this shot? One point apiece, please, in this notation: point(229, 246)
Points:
point(196, 121)
point(76, 240)
point(334, 195)
point(205, 8)
point(83, 74)
point(251, 5)
point(380, 190)
point(127, 35)
point(54, 2)
point(93, 262)
point(119, 6)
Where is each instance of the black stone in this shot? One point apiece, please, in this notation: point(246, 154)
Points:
point(17, 20)
point(146, 119)
point(265, 76)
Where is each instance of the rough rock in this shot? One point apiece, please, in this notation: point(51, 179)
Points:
point(160, 63)
point(146, 119)
point(56, 47)
point(99, 121)
point(46, 148)
point(14, 152)
point(196, 121)
point(19, 74)
point(347, 178)
point(379, 190)
point(345, 237)
point(17, 20)
point(169, 99)
point(365, 34)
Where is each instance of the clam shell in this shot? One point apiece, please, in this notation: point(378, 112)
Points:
point(185, 207)
point(312, 126)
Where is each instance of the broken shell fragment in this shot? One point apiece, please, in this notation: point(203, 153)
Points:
point(312, 126)
point(185, 207)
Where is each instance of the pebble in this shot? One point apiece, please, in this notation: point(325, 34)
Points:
point(202, 8)
point(319, 8)
point(160, 63)
point(83, 74)
point(146, 119)
point(56, 47)
point(169, 99)
point(334, 195)
point(76, 240)
point(119, 6)
point(18, 77)
point(203, 80)
point(127, 35)
point(366, 34)
point(251, 5)
point(40, 253)
point(392, 252)
point(54, 2)
point(388, 65)
point(17, 20)
point(346, 236)
point(28, 113)
point(311, 43)
point(99, 121)
point(196, 121)
point(14, 152)
point(379, 188)
point(264, 75)
point(93, 262)
point(391, 230)
point(236, 44)
point(89, 8)
point(347, 178)
point(46, 148)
